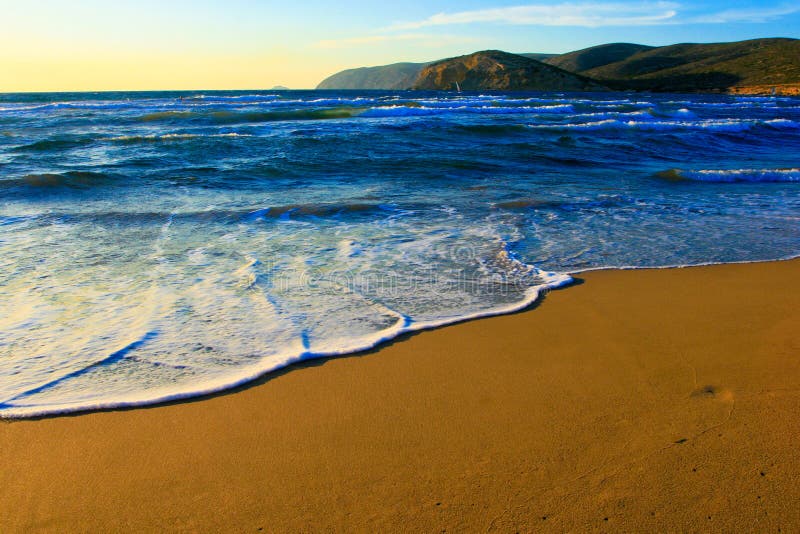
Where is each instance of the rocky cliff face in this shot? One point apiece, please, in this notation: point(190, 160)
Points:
point(500, 71)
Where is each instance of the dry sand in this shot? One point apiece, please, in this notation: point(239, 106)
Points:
point(635, 401)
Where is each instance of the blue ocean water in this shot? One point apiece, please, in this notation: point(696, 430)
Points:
point(162, 245)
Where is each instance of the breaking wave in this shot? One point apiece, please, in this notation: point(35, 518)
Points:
point(718, 125)
point(733, 175)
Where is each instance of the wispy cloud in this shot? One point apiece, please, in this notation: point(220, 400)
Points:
point(754, 15)
point(578, 14)
point(423, 39)
point(599, 14)
point(566, 14)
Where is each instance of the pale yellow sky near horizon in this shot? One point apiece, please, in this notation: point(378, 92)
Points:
point(88, 45)
point(131, 72)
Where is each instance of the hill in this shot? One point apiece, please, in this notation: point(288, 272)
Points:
point(596, 56)
point(758, 66)
point(501, 71)
point(395, 76)
point(704, 67)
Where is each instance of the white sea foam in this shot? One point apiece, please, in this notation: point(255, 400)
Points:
point(720, 125)
point(413, 111)
point(597, 116)
point(742, 175)
point(169, 342)
point(175, 137)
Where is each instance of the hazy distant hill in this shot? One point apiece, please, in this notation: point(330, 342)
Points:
point(496, 70)
point(703, 67)
point(396, 76)
point(596, 56)
point(539, 57)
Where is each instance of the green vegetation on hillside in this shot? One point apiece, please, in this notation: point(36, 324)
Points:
point(704, 67)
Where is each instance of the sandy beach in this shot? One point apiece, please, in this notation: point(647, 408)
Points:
point(632, 401)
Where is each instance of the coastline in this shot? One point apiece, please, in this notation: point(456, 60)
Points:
point(635, 399)
point(786, 89)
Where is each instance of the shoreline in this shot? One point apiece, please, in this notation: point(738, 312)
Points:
point(791, 257)
point(533, 296)
point(260, 376)
point(633, 399)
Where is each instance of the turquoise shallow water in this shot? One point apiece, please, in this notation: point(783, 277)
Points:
point(163, 245)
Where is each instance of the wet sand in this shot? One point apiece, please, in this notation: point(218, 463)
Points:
point(634, 400)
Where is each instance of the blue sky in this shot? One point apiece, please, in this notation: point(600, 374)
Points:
point(98, 45)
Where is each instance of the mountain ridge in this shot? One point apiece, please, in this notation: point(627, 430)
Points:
point(755, 66)
point(705, 67)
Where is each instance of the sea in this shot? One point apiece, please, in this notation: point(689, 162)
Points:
point(163, 245)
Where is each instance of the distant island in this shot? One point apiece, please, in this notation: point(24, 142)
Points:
point(279, 88)
point(758, 66)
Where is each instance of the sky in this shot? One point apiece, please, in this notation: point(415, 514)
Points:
point(93, 45)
